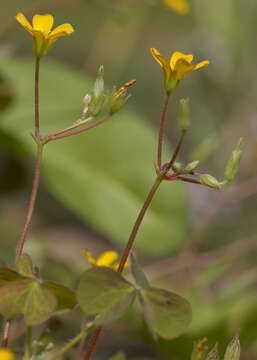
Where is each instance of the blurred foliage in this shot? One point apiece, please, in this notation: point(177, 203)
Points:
point(103, 176)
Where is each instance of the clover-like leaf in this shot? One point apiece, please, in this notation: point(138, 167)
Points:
point(170, 314)
point(100, 288)
point(30, 299)
point(24, 266)
point(117, 310)
point(8, 276)
point(138, 273)
point(66, 298)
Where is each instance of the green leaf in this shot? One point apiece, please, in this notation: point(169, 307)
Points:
point(138, 273)
point(8, 276)
point(24, 266)
point(117, 310)
point(170, 313)
point(30, 299)
point(100, 288)
point(66, 298)
point(98, 174)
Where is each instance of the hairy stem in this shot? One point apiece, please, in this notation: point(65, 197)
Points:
point(161, 130)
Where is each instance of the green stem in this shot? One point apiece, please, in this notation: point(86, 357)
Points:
point(28, 344)
point(73, 342)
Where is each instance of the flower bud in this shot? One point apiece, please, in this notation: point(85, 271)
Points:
point(98, 96)
point(233, 161)
point(177, 166)
point(210, 181)
point(184, 115)
point(233, 349)
point(99, 83)
point(191, 166)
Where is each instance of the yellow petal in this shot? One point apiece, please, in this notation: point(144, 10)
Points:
point(6, 354)
point(89, 256)
point(43, 23)
point(182, 7)
point(62, 30)
point(202, 64)
point(177, 56)
point(182, 68)
point(24, 22)
point(107, 258)
point(163, 62)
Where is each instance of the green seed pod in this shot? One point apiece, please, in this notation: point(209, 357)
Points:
point(210, 181)
point(233, 162)
point(192, 166)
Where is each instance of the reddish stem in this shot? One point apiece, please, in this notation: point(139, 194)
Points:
point(6, 334)
point(160, 140)
point(31, 204)
point(125, 255)
point(138, 222)
point(173, 159)
point(92, 342)
point(78, 131)
point(36, 98)
point(190, 180)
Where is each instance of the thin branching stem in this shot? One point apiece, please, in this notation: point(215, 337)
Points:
point(37, 133)
point(71, 343)
point(78, 131)
point(161, 130)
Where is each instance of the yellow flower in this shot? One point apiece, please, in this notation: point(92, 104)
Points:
point(179, 66)
point(6, 354)
point(107, 258)
point(182, 7)
point(41, 31)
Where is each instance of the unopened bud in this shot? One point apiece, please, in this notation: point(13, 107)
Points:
point(99, 83)
point(192, 166)
point(98, 95)
point(184, 115)
point(210, 181)
point(233, 349)
point(213, 354)
point(177, 166)
point(119, 97)
point(233, 161)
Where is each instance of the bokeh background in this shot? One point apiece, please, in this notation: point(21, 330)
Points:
point(196, 241)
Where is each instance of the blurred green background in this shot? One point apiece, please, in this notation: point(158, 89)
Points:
point(194, 240)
